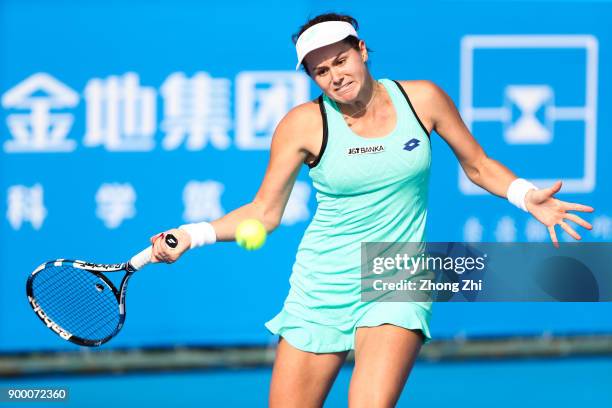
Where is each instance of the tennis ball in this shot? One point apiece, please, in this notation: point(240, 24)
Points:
point(251, 234)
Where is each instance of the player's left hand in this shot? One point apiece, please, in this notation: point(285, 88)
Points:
point(551, 211)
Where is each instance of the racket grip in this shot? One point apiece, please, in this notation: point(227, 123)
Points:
point(141, 259)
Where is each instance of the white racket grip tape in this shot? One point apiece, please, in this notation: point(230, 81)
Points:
point(141, 259)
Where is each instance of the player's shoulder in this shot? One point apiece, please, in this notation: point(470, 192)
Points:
point(426, 99)
point(421, 88)
point(305, 113)
point(303, 118)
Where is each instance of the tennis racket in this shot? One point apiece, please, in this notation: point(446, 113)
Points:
point(78, 302)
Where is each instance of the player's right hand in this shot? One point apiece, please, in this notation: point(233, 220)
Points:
point(162, 252)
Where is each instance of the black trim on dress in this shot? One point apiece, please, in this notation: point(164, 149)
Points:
point(411, 107)
point(325, 132)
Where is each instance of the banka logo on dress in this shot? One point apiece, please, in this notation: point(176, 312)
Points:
point(365, 150)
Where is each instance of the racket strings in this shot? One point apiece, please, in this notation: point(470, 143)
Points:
point(77, 300)
point(77, 311)
point(95, 320)
point(82, 309)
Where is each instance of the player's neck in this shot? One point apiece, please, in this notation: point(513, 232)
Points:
point(365, 100)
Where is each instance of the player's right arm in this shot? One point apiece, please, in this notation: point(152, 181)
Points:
point(289, 150)
point(297, 139)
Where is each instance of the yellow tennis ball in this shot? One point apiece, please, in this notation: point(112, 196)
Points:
point(251, 234)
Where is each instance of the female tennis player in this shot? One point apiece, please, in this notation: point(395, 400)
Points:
point(367, 143)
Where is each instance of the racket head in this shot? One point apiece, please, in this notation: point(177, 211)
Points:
point(77, 301)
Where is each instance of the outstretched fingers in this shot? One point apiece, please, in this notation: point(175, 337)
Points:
point(553, 236)
point(578, 220)
point(566, 227)
point(577, 207)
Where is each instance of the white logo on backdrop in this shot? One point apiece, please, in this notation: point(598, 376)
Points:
point(202, 201)
point(39, 130)
point(196, 110)
point(297, 205)
point(535, 231)
point(505, 231)
point(121, 114)
point(529, 100)
point(26, 204)
point(472, 230)
point(262, 99)
point(602, 227)
point(115, 203)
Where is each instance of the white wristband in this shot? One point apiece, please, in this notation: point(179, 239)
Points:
point(517, 191)
point(201, 233)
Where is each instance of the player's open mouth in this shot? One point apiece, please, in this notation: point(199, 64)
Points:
point(344, 88)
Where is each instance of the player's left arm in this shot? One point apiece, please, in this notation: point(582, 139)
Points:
point(438, 112)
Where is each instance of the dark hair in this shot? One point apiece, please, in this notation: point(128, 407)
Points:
point(350, 40)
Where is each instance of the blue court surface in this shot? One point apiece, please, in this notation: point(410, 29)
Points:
point(526, 383)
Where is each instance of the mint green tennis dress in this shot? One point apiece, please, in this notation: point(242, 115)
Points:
point(368, 190)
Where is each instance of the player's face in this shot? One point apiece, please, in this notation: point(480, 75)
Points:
point(339, 70)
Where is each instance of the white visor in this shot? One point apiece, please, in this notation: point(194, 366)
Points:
point(320, 35)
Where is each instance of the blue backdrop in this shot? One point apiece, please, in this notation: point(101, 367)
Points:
point(122, 119)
